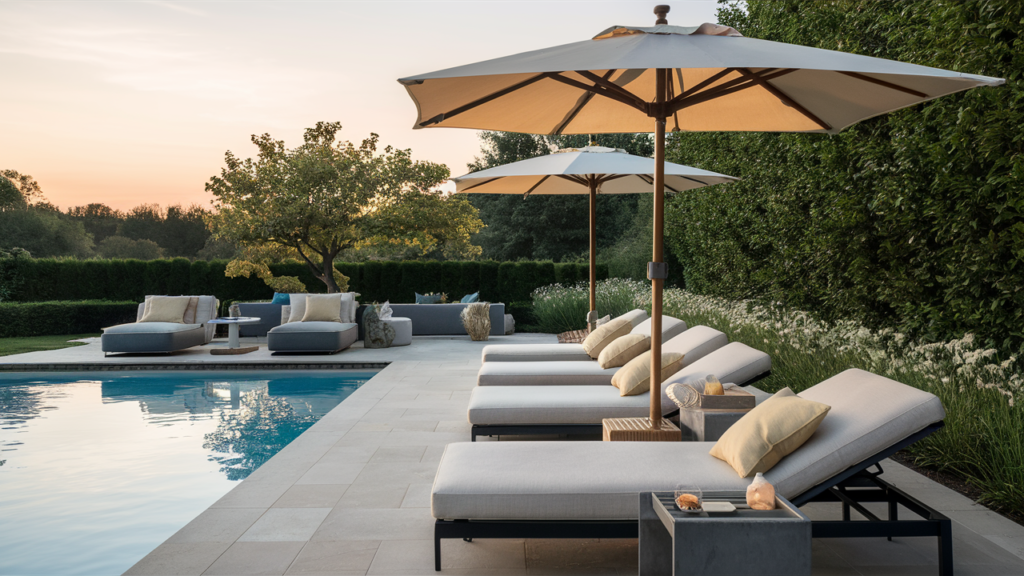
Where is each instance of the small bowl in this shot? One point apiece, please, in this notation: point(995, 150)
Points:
point(689, 500)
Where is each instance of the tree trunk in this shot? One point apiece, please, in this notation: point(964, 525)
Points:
point(328, 274)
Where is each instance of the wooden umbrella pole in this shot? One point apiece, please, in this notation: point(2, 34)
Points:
point(593, 247)
point(659, 225)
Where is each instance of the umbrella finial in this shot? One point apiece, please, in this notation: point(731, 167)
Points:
point(660, 11)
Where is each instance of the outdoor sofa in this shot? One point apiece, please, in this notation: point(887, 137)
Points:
point(536, 410)
point(163, 337)
point(570, 352)
point(693, 344)
point(589, 489)
point(314, 337)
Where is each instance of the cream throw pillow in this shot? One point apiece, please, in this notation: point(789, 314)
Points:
point(165, 309)
point(322, 308)
point(635, 377)
point(297, 302)
point(348, 307)
point(766, 434)
point(623, 349)
point(605, 335)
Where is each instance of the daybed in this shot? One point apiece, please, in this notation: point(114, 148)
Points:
point(530, 410)
point(670, 328)
point(589, 489)
point(315, 336)
point(148, 337)
point(694, 344)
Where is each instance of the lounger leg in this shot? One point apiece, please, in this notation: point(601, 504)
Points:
point(437, 548)
point(893, 509)
point(945, 548)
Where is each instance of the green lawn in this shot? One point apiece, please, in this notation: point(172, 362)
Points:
point(10, 346)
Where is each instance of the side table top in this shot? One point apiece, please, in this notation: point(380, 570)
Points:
point(235, 320)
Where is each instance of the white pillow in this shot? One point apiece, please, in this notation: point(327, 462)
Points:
point(297, 302)
point(348, 307)
point(385, 311)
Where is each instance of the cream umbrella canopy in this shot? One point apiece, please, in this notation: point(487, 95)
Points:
point(589, 170)
point(703, 78)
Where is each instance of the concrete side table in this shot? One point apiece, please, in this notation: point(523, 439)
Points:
point(707, 425)
point(233, 346)
point(403, 330)
point(741, 543)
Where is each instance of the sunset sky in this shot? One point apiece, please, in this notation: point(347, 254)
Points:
point(131, 102)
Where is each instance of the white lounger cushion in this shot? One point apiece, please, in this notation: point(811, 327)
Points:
point(670, 328)
point(600, 480)
point(735, 362)
point(567, 373)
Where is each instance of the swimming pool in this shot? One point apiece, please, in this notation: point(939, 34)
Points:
point(98, 469)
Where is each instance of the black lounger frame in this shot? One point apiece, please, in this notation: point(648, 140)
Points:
point(852, 487)
point(545, 429)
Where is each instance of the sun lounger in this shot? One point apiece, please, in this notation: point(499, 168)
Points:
point(694, 344)
point(670, 328)
point(162, 337)
point(531, 410)
point(589, 489)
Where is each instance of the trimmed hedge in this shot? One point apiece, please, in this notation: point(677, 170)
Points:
point(20, 319)
point(124, 280)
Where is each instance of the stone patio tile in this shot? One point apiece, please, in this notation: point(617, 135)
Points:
point(864, 552)
point(414, 425)
point(334, 558)
point(417, 556)
point(179, 559)
point(311, 496)
point(1013, 545)
point(217, 525)
point(332, 472)
point(582, 554)
point(372, 427)
point(407, 438)
point(372, 495)
point(252, 495)
point(255, 559)
point(417, 496)
point(285, 525)
point(398, 454)
point(376, 524)
point(433, 455)
point(454, 426)
point(391, 473)
point(363, 439)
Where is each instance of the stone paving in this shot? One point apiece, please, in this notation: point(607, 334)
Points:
point(352, 494)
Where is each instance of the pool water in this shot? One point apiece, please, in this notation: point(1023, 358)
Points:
point(96, 470)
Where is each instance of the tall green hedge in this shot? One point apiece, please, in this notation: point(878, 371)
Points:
point(912, 219)
point(22, 319)
point(131, 280)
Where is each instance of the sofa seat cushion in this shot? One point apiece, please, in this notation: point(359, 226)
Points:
point(534, 353)
point(152, 337)
point(568, 480)
point(312, 337)
point(151, 328)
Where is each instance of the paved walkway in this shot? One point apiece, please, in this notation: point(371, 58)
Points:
point(352, 494)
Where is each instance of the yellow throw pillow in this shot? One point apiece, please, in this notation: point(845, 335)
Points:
point(769, 432)
point(635, 377)
point(322, 308)
point(165, 309)
point(623, 349)
point(605, 335)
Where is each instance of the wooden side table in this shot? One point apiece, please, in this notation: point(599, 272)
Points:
point(639, 430)
point(741, 543)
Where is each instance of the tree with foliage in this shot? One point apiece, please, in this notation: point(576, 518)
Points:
point(124, 248)
point(912, 219)
point(99, 220)
point(549, 227)
point(327, 195)
point(25, 184)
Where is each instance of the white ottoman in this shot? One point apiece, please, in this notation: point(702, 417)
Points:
point(403, 330)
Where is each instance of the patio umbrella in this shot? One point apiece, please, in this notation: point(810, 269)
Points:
point(590, 170)
point(703, 78)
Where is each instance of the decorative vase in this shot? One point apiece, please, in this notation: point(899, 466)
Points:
point(476, 318)
point(760, 494)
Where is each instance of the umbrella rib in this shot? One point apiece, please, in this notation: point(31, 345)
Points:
point(886, 84)
point(650, 180)
point(534, 187)
point(606, 93)
point(481, 183)
point(609, 85)
point(573, 178)
point(690, 98)
point(784, 98)
point(583, 101)
point(481, 101)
